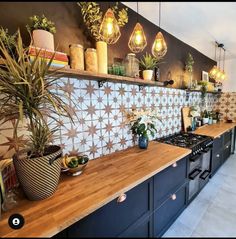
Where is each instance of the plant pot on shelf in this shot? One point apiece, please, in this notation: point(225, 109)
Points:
point(205, 120)
point(147, 74)
point(101, 47)
point(143, 142)
point(39, 176)
point(43, 39)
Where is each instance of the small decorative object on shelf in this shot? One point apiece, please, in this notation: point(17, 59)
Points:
point(76, 56)
point(131, 65)
point(147, 64)
point(205, 117)
point(91, 61)
point(143, 124)
point(74, 165)
point(42, 30)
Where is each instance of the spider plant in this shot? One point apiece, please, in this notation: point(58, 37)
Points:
point(30, 90)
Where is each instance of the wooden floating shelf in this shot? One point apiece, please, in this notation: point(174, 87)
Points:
point(107, 77)
point(212, 92)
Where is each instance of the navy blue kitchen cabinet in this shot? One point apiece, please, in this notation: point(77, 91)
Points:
point(127, 218)
point(227, 145)
point(217, 154)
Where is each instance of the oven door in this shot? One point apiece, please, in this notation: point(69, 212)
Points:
point(206, 165)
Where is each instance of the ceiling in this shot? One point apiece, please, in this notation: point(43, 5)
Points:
point(198, 24)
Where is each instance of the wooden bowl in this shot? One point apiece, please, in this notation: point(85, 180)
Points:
point(74, 171)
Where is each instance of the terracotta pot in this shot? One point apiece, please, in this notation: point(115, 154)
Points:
point(39, 177)
point(147, 74)
point(43, 39)
point(101, 47)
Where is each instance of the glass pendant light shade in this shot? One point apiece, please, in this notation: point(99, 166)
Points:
point(137, 40)
point(159, 47)
point(109, 29)
point(219, 74)
point(213, 72)
point(223, 76)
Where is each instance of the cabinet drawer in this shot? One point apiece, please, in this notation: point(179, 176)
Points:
point(169, 211)
point(168, 180)
point(114, 218)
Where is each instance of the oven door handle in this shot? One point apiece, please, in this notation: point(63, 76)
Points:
point(206, 149)
point(194, 174)
point(205, 174)
point(194, 158)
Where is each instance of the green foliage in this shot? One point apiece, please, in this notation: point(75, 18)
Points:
point(8, 40)
point(203, 87)
point(189, 63)
point(92, 16)
point(40, 23)
point(26, 93)
point(148, 62)
point(205, 114)
point(141, 129)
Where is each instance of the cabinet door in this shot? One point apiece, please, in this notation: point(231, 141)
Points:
point(169, 180)
point(115, 217)
point(216, 161)
point(164, 216)
point(217, 144)
point(227, 137)
point(227, 151)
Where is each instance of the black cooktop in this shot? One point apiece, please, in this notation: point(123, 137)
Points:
point(185, 140)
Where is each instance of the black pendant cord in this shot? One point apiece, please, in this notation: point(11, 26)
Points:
point(219, 58)
point(159, 16)
point(224, 60)
point(137, 13)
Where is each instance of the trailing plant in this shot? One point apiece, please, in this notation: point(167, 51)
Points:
point(92, 16)
point(148, 62)
point(189, 63)
point(203, 88)
point(26, 89)
point(8, 40)
point(41, 23)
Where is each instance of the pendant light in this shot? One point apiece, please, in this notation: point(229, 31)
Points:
point(223, 76)
point(214, 70)
point(137, 40)
point(109, 29)
point(159, 47)
point(219, 72)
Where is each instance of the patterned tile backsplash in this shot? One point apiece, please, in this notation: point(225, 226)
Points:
point(100, 126)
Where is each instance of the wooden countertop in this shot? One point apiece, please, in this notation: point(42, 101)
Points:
point(215, 130)
point(103, 180)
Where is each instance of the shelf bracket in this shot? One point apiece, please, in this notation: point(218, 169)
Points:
point(141, 87)
point(101, 83)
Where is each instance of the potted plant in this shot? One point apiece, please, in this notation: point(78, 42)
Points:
point(205, 117)
point(214, 117)
point(9, 42)
point(92, 16)
point(142, 124)
point(189, 68)
point(42, 31)
point(26, 87)
point(147, 65)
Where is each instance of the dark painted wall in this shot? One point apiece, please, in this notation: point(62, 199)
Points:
point(70, 29)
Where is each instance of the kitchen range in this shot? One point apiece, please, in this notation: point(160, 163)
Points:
point(199, 165)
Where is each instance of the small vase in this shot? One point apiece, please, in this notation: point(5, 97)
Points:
point(143, 142)
point(102, 56)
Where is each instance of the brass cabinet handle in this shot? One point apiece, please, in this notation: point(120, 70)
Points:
point(173, 196)
point(121, 198)
point(174, 165)
point(217, 155)
point(227, 146)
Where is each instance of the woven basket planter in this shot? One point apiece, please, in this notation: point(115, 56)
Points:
point(39, 177)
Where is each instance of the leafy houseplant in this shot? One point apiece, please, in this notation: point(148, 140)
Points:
point(142, 124)
point(26, 94)
point(147, 64)
point(42, 31)
point(205, 117)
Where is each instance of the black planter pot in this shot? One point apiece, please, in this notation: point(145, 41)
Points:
point(39, 177)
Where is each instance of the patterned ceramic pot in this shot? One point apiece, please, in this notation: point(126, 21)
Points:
point(43, 39)
point(147, 74)
point(39, 177)
point(143, 142)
